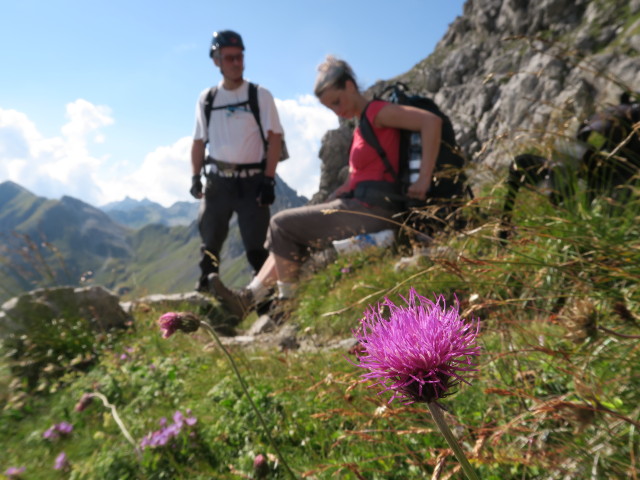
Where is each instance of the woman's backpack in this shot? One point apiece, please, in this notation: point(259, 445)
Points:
point(449, 180)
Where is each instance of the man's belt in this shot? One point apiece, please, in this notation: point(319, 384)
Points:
point(233, 167)
point(226, 169)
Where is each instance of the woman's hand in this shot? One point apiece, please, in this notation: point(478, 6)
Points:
point(419, 188)
point(341, 190)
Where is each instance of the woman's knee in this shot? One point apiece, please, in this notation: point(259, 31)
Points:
point(284, 220)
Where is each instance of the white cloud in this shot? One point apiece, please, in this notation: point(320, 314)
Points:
point(64, 164)
point(84, 118)
point(305, 121)
point(56, 166)
point(163, 177)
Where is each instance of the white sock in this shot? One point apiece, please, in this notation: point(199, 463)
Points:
point(258, 289)
point(286, 289)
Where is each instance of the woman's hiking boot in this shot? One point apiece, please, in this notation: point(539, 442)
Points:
point(239, 302)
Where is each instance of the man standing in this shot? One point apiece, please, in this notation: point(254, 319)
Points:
point(237, 144)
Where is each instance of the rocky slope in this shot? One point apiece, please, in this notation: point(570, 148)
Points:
point(513, 74)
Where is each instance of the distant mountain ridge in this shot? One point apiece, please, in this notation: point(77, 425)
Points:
point(133, 246)
point(138, 213)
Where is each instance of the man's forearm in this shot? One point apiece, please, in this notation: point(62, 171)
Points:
point(197, 157)
point(274, 150)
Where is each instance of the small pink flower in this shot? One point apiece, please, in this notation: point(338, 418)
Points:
point(54, 432)
point(51, 433)
point(260, 466)
point(14, 472)
point(61, 462)
point(84, 402)
point(64, 427)
point(173, 321)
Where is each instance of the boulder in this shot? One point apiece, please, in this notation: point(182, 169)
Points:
point(173, 301)
point(97, 305)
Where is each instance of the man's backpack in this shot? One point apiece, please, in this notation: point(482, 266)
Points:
point(611, 159)
point(612, 141)
point(254, 106)
point(449, 182)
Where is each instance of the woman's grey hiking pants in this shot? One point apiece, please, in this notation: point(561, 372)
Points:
point(294, 232)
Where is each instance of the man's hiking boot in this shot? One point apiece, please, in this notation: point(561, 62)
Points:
point(202, 285)
point(263, 307)
point(238, 302)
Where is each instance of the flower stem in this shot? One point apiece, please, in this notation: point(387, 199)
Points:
point(213, 333)
point(118, 420)
point(438, 417)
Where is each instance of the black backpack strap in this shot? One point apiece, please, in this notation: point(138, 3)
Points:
point(369, 136)
point(255, 109)
point(208, 104)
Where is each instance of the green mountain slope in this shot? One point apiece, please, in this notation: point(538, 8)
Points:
point(132, 247)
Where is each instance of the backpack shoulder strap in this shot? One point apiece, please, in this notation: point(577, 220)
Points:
point(255, 109)
point(208, 104)
point(369, 136)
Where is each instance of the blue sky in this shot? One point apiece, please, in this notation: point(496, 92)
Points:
point(97, 98)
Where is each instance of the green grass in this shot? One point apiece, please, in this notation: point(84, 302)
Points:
point(556, 394)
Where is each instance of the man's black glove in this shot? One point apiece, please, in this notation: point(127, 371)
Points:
point(266, 191)
point(196, 187)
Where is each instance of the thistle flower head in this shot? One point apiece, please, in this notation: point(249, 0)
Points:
point(260, 466)
point(420, 351)
point(173, 321)
point(84, 402)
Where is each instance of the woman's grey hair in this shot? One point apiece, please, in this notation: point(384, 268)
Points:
point(333, 73)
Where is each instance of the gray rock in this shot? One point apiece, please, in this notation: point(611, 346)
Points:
point(97, 305)
point(288, 337)
point(263, 324)
point(334, 154)
point(172, 301)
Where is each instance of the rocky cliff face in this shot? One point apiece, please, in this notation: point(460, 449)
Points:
point(516, 74)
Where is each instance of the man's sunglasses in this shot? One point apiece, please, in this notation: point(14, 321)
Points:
point(229, 58)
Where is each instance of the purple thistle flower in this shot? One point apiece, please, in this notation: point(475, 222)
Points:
point(61, 462)
point(171, 322)
point(14, 472)
point(420, 351)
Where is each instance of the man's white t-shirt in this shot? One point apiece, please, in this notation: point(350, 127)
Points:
point(234, 135)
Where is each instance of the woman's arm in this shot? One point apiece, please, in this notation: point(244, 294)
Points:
point(429, 125)
point(341, 189)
